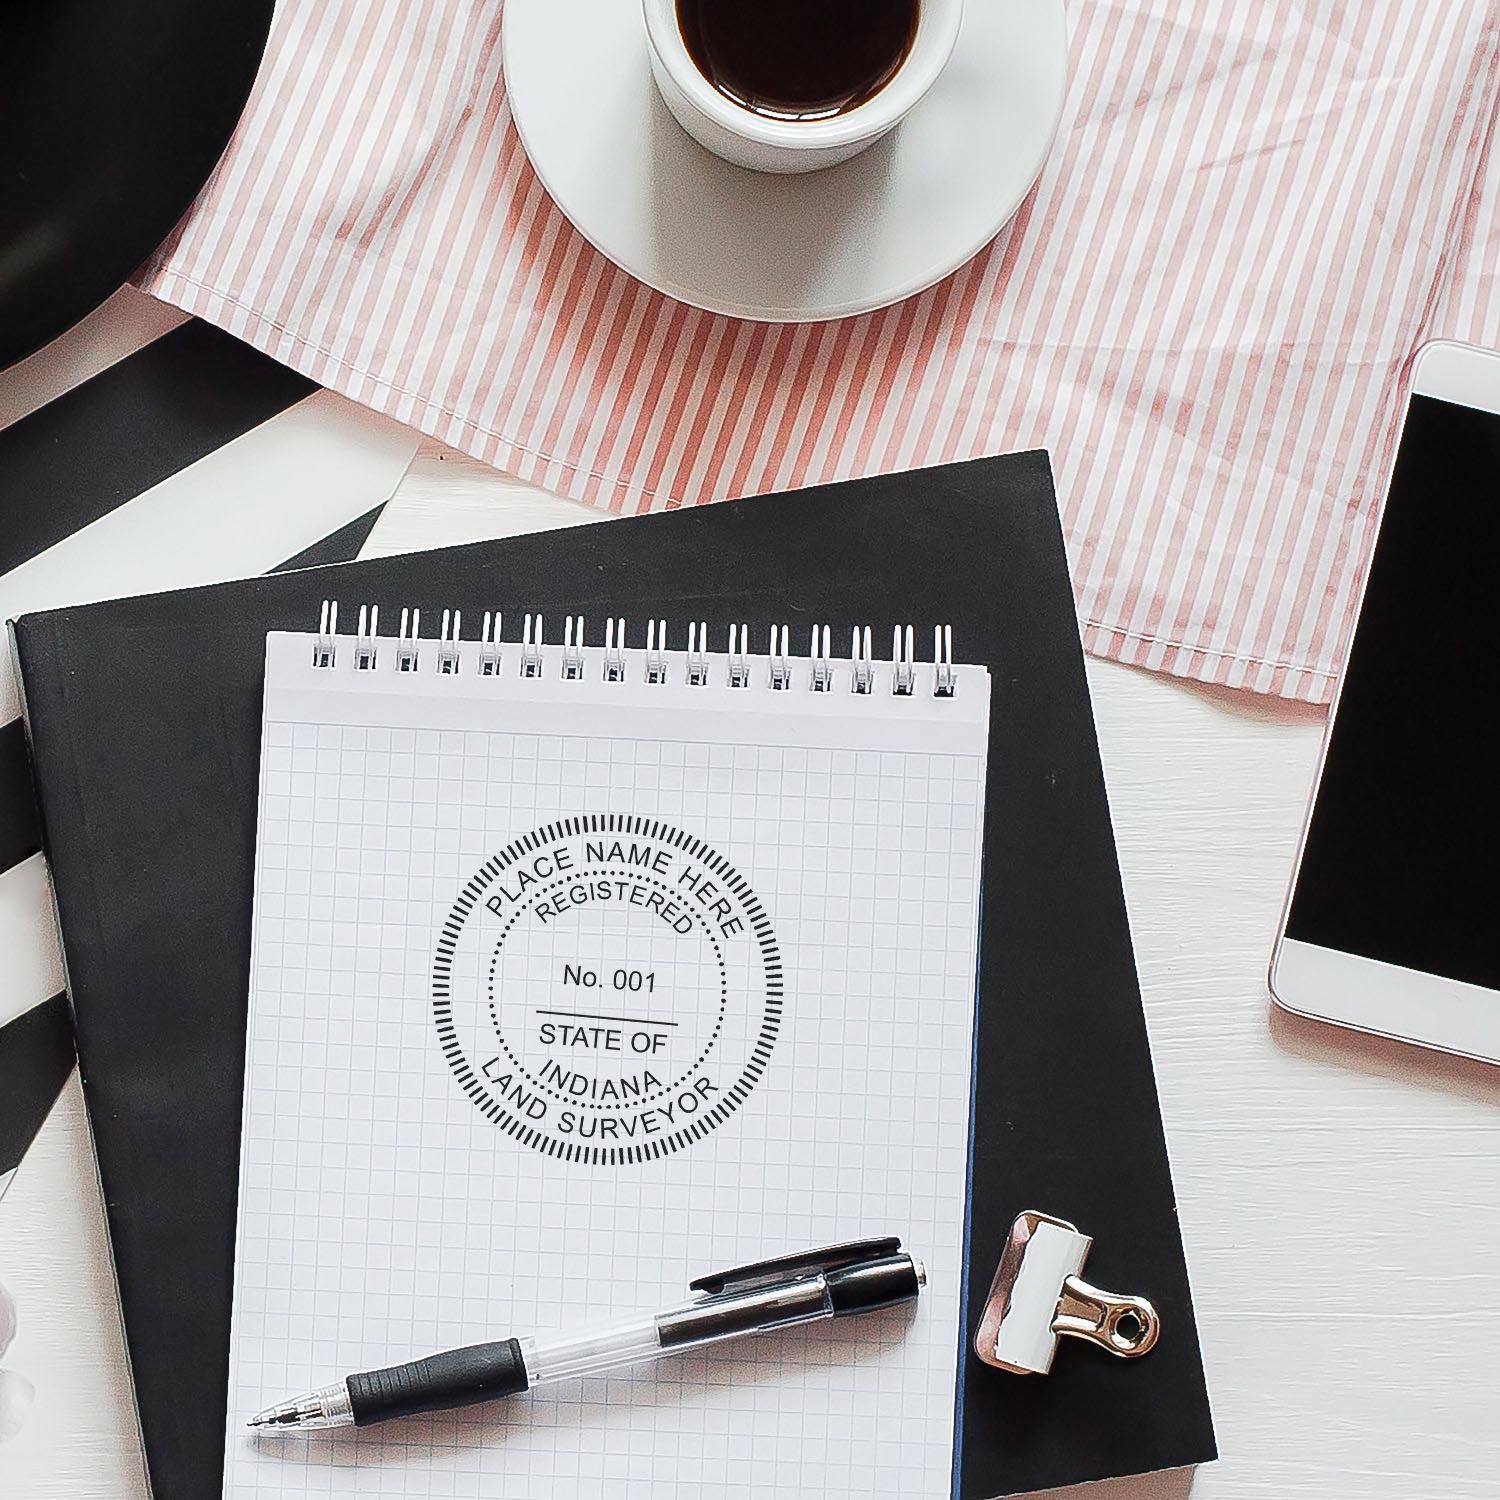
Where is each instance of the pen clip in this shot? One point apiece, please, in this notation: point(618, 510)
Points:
point(792, 1267)
point(1037, 1297)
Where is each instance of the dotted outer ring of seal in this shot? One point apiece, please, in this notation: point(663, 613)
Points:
point(523, 1130)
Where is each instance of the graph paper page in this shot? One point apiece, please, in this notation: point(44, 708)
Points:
point(565, 992)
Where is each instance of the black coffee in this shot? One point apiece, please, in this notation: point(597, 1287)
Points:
point(798, 59)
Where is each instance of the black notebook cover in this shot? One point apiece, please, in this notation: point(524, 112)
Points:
point(144, 717)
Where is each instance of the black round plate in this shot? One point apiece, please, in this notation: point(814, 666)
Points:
point(112, 115)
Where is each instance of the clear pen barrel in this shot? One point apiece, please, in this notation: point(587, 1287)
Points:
point(704, 1320)
point(569, 1356)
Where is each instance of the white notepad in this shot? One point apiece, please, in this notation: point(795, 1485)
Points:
point(577, 974)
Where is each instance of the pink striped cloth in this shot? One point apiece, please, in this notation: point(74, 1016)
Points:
point(1254, 214)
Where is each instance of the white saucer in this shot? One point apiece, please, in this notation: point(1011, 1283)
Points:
point(798, 249)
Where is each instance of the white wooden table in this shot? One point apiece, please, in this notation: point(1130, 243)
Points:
point(1340, 1198)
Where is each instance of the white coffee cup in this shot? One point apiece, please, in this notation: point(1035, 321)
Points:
point(763, 144)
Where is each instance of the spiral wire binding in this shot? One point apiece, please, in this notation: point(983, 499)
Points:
point(697, 654)
point(780, 654)
point(904, 673)
point(656, 646)
point(531, 646)
point(614, 648)
point(325, 643)
point(945, 679)
point(489, 645)
point(823, 668)
point(862, 665)
point(365, 640)
point(447, 657)
point(739, 656)
point(572, 654)
point(406, 642)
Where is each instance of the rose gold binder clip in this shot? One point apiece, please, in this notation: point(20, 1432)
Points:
point(1037, 1297)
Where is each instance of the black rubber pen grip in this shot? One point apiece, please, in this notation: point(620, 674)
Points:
point(457, 1377)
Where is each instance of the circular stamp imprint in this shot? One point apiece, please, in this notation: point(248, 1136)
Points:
point(607, 989)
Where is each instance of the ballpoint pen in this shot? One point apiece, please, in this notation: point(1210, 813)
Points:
point(831, 1283)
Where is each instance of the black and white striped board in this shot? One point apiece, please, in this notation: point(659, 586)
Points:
point(145, 451)
point(36, 1056)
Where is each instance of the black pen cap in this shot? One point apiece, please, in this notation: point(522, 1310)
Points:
point(875, 1283)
